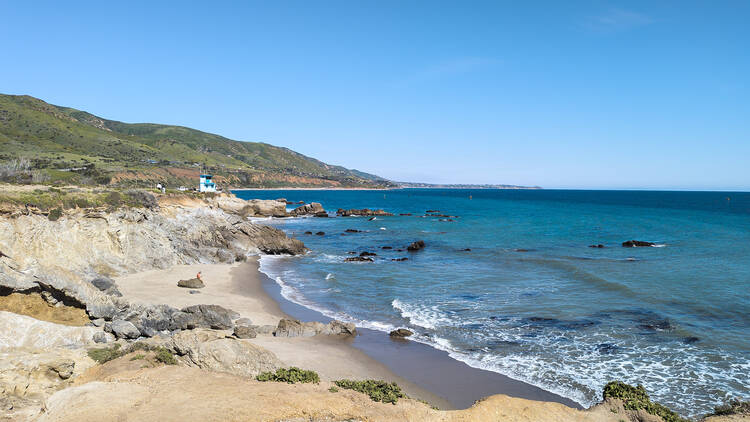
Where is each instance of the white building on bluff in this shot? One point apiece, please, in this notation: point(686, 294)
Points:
point(206, 185)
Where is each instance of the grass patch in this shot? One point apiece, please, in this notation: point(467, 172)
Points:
point(377, 390)
point(138, 356)
point(106, 354)
point(636, 398)
point(291, 375)
point(333, 390)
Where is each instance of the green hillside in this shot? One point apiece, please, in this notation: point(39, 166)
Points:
point(44, 143)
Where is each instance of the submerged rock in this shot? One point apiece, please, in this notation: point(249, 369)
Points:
point(400, 259)
point(368, 254)
point(401, 333)
point(361, 212)
point(636, 244)
point(596, 246)
point(359, 259)
point(415, 246)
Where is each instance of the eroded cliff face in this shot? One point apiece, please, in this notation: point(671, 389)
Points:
point(60, 258)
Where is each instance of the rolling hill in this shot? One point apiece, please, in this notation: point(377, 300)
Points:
point(41, 142)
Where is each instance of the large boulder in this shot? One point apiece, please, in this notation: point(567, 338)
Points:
point(401, 333)
point(295, 328)
point(213, 350)
point(193, 283)
point(416, 246)
point(124, 329)
point(244, 328)
point(210, 316)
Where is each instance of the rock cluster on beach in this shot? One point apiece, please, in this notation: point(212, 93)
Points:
point(296, 328)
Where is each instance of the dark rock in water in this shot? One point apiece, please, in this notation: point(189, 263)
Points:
point(401, 332)
point(368, 254)
point(312, 208)
point(308, 232)
point(446, 220)
point(596, 246)
point(320, 233)
point(386, 247)
point(524, 250)
point(690, 340)
point(363, 212)
point(429, 211)
point(405, 214)
point(210, 316)
point(466, 250)
point(607, 348)
point(352, 231)
point(400, 259)
point(359, 259)
point(636, 244)
point(193, 283)
point(194, 292)
point(371, 218)
point(399, 250)
point(655, 324)
point(352, 253)
point(418, 245)
point(321, 214)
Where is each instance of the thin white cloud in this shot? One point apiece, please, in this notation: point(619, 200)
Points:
point(615, 20)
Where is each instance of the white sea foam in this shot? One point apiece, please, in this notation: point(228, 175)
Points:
point(330, 276)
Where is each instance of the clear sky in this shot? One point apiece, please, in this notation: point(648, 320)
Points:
point(568, 94)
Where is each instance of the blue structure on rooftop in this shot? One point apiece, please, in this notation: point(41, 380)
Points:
point(206, 185)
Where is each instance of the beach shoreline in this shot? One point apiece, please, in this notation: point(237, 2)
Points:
point(419, 369)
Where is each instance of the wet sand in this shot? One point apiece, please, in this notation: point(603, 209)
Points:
point(423, 372)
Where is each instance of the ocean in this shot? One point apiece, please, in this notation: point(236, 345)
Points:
point(531, 299)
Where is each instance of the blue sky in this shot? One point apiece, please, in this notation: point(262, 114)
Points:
point(561, 94)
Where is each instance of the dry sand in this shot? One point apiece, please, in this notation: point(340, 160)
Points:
point(238, 287)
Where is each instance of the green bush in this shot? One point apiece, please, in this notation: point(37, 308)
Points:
point(291, 375)
point(333, 390)
point(138, 356)
point(165, 356)
point(106, 354)
point(377, 390)
point(54, 214)
point(734, 407)
point(113, 199)
point(636, 398)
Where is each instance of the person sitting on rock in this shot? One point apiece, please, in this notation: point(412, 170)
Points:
point(198, 276)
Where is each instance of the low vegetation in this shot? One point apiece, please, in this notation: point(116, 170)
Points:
point(291, 375)
point(636, 398)
point(380, 391)
point(55, 201)
point(106, 354)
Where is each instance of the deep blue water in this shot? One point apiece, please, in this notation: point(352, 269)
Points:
point(531, 300)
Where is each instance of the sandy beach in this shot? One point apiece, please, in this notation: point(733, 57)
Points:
point(239, 287)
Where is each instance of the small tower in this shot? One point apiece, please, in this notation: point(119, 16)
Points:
point(206, 185)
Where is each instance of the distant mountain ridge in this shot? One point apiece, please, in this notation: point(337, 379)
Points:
point(65, 145)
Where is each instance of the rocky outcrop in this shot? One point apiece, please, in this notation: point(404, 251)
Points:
point(123, 329)
point(244, 328)
point(312, 208)
point(24, 331)
point(361, 212)
point(250, 208)
point(210, 316)
point(213, 350)
point(70, 260)
point(636, 244)
point(295, 328)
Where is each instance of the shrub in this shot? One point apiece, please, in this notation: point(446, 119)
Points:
point(165, 356)
point(734, 407)
point(54, 214)
point(106, 354)
point(143, 199)
point(139, 356)
point(333, 390)
point(113, 199)
point(377, 390)
point(291, 375)
point(636, 398)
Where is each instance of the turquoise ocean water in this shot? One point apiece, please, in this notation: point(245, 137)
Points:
point(532, 300)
